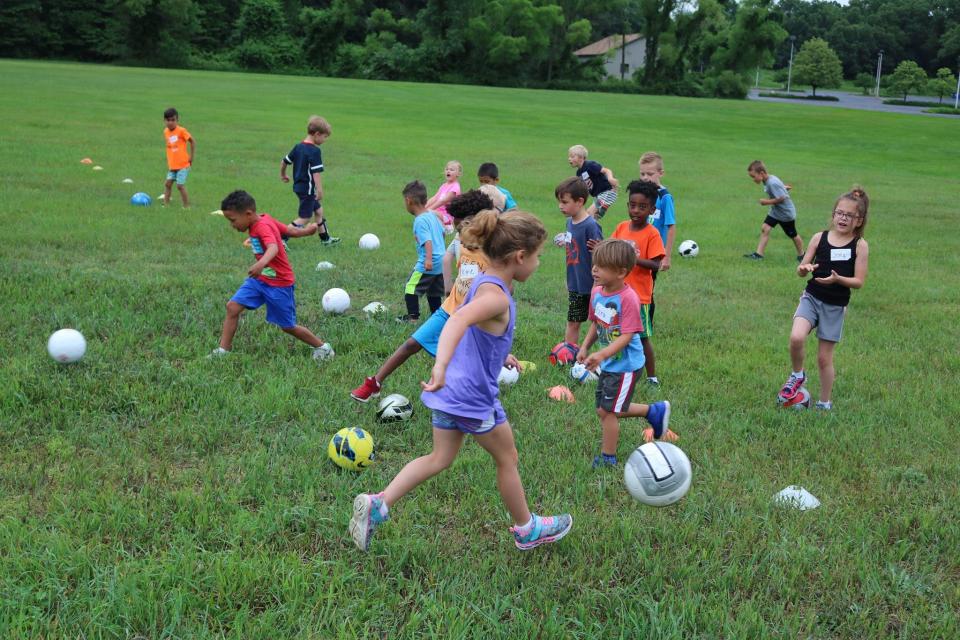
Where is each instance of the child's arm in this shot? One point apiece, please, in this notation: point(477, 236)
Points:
point(448, 260)
point(587, 342)
point(805, 267)
point(593, 361)
point(668, 250)
point(649, 263)
point(283, 171)
point(488, 303)
point(301, 232)
point(193, 145)
point(318, 183)
point(428, 260)
point(767, 202)
point(433, 202)
point(859, 270)
point(268, 255)
point(610, 177)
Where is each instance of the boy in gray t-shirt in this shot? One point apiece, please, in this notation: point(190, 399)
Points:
point(782, 212)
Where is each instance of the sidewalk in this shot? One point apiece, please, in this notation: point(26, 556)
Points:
point(850, 101)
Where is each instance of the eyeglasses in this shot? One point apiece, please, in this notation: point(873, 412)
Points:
point(843, 215)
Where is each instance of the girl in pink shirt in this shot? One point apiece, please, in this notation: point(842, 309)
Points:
point(448, 190)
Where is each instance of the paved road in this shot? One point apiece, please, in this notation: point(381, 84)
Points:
point(851, 101)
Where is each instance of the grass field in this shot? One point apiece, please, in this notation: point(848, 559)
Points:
point(148, 492)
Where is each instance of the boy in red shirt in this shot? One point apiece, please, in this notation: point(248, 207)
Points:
point(179, 159)
point(270, 280)
point(646, 240)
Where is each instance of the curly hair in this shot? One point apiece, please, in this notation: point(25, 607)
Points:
point(469, 203)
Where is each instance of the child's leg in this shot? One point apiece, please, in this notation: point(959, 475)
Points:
point(764, 238)
point(183, 194)
point(798, 243)
point(401, 355)
point(651, 361)
point(446, 445)
point(798, 338)
point(167, 188)
point(827, 372)
point(230, 322)
point(572, 334)
point(434, 302)
point(302, 333)
point(610, 431)
point(499, 443)
point(657, 414)
point(413, 305)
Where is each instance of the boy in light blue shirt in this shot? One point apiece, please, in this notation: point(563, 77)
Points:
point(427, 276)
point(664, 218)
point(489, 173)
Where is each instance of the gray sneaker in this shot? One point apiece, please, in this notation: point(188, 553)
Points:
point(323, 352)
point(219, 352)
point(330, 241)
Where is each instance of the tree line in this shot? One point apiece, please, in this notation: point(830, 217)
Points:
point(694, 47)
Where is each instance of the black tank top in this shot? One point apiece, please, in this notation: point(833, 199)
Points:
point(831, 258)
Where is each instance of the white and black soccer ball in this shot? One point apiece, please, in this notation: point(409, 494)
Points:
point(688, 249)
point(394, 408)
point(508, 375)
point(581, 374)
point(657, 474)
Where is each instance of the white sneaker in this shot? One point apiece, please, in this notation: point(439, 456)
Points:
point(219, 352)
point(323, 352)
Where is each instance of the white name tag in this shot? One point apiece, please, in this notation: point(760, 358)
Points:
point(173, 139)
point(839, 255)
point(469, 270)
point(604, 314)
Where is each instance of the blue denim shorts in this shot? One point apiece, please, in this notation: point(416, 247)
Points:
point(281, 305)
point(428, 334)
point(473, 426)
point(180, 175)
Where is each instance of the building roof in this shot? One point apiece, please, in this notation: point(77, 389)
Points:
point(600, 47)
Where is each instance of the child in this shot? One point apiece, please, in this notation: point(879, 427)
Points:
point(488, 173)
point(471, 262)
point(427, 276)
point(663, 218)
point(616, 326)
point(462, 392)
point(179, 160)
point(599, 180)
point(649, 249)
point(837, 260)
point(782, 211)
point(270, 280)
point(452, 255)
point(307, 166)
point(450, 188)
point(582, 230)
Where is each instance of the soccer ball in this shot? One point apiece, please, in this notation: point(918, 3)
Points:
point(688, 249)
point(127, 181)
point(800, 401)
point(66, 345)
point(562, 354)
point(394, 408)
point(508, 375)
point(351, 448)
point(374, 308)
point(369, 242)
point(657, 474)
point(140, 199)
point(581, 374)
point(336, 301)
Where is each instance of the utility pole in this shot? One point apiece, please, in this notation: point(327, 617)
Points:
point(879, 65)
point(790, 69)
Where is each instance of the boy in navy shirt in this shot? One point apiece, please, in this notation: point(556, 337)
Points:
point(599, 180)
point(307, 167)
point(582, 231)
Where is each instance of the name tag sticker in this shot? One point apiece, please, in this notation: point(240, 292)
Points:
point(469, 271)
point(839, 255)
point(604, 314)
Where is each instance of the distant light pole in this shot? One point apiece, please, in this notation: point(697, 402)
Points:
point(956, 96)
point(790, 68)
point(879, 65)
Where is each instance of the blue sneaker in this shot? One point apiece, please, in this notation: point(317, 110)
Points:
point(603, 460)
point(366, 517)
point(544, 530)
point(659, 417)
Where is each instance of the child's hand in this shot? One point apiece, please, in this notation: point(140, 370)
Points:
point(804, 269)
point(830, 279)
point(668, 436)
point(560, 239)
point(591, 244)
point(592, 361)
point(437, 380)
point(284, 178)
point(428, 265)
point(665, 263)
point(613, 182)
point(511, 362)
point(255, 270)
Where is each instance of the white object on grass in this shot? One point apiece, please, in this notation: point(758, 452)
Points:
point(369, 242)
point(66, 345)
point(508, 375)
point(336, 301)
point(323, 266)
point(796, 497)
point(374, 308)
point(688, 249)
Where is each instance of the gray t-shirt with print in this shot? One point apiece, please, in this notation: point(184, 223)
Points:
point(785, 211)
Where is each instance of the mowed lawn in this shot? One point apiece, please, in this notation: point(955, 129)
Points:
point(148, 492)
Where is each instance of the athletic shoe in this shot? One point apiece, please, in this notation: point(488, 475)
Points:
point(791, 387)
point(323, 352)
point(653, 381)
point(753, 256)
point(369, 389)
point(604, 461)
point(407, 319)
point(824, 406)
point(329, 241)
point(366, 517)
point(544, 530)
point(219, 352)
point(659, 417)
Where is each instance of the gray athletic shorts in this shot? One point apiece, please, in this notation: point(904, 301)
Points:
point(827, 318)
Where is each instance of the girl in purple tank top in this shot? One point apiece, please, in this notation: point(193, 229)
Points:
point(462, 391)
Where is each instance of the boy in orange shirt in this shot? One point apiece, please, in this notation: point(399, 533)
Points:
point(178, 159)
point(649, 246)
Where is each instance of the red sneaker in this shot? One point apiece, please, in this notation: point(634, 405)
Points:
point(369, 389)
point(791, 388)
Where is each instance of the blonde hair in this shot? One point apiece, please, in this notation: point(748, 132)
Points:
point(497, 199)
point(859, 197)
point(756, 167)
point(652, 157)
point(316, 124)
point(502, 235)
point(458, 165)
point(614, 254)
point(578, 150)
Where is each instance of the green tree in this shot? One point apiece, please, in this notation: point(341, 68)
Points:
point(817, 65)
point(865, 81)
point(908, 78)
point(943, 84)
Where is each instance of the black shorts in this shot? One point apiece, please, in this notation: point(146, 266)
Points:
point(789, 227)
point(615, 390)
point(425, 284)
point(579, 306)
point(308, 205)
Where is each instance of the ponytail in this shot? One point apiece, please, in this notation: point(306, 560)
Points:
point(502, 235)
point(858, 196)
